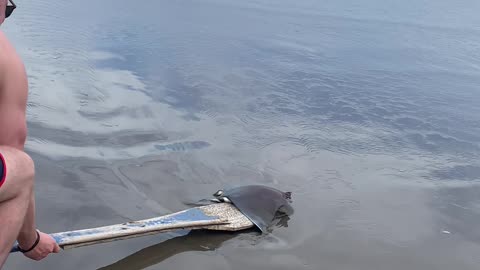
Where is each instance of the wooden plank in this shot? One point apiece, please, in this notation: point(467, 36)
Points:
point(222, 216)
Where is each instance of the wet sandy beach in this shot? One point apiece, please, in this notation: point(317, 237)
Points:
point(367, 112)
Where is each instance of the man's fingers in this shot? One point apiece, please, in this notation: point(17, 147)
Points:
point(56, 247)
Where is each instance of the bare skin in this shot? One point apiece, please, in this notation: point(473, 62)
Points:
point(17, 199)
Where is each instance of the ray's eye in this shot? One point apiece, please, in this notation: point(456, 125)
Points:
point(225, 199)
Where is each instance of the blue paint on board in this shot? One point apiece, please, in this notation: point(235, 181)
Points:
point(190, 215)
point(15, 248)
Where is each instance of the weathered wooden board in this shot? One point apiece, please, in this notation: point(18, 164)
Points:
point(221, 216)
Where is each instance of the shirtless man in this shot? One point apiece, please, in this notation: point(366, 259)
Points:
point(17, 200)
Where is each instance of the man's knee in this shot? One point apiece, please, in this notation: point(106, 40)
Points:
point(19, 165)
point(27, 167)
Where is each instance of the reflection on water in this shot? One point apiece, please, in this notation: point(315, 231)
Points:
point(194, 241)
point(367, 112)
point(200, 241)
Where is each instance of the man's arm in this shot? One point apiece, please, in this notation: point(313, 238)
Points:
point(13, 132)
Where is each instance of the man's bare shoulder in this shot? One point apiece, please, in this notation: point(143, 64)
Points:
point(13, 79)
point(3, 55)
point(10, 62)
point(7, 50)
point(5, 46)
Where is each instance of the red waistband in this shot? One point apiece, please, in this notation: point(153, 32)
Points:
point(4, 171)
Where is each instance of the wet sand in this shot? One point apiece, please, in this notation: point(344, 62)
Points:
point(367, 113)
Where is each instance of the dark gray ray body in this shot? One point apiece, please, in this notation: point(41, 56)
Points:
point(259, 203)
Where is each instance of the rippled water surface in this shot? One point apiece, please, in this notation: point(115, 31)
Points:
point(368, 112)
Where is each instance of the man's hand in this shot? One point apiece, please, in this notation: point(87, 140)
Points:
point(45, 246)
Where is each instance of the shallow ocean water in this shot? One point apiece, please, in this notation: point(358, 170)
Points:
point(368, 112)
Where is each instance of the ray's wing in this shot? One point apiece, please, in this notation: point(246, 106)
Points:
point(259, 203)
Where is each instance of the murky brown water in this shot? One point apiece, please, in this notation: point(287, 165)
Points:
point(368, 112)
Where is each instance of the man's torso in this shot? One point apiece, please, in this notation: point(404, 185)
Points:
point(13, 96)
